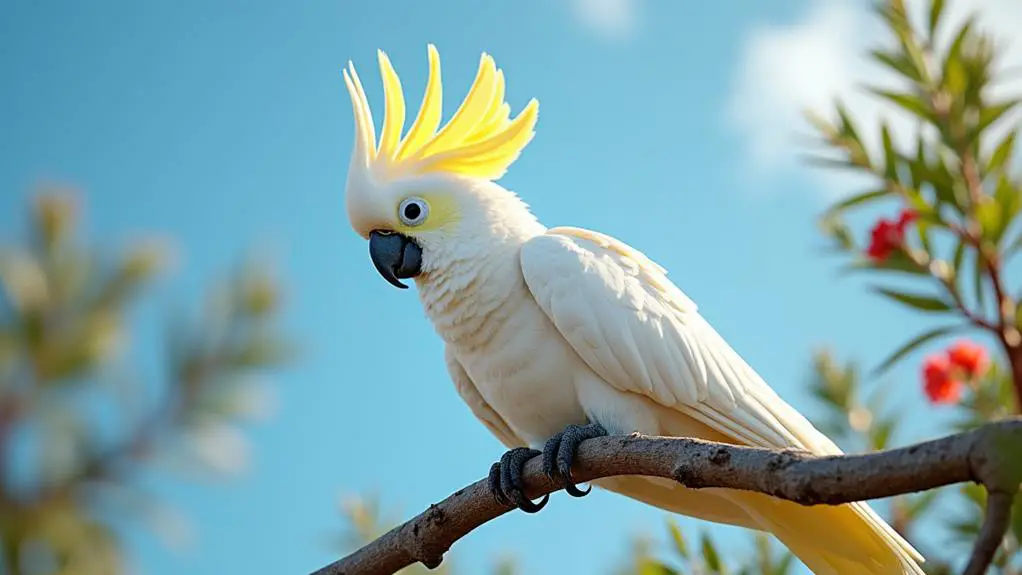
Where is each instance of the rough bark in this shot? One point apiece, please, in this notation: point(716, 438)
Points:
point(988, 455)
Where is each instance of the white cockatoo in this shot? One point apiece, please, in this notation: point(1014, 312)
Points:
point(557, 335)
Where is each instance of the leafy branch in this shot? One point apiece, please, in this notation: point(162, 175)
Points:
point(64, 317)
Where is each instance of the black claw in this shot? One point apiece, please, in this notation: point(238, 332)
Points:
point(559, 452)
point(495, 485)
point(506, 480)
point(550, 456)
point(572, 488)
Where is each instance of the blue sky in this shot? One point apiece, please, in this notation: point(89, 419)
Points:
point(226, 126)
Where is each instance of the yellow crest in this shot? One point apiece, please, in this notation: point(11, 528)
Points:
point(479, 140)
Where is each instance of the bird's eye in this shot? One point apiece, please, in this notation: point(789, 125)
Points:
point(413, 211)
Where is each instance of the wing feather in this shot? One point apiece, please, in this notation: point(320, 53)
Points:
point(641, 334)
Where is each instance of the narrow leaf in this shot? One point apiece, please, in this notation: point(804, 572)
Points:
point(1003, 152)
point(993, 112)
point(678, 539)
point(890, 157)
point(977, 279)
point(710, 555)
point(847, 124)
point(911, 345)
point(954, 53)
point(917, 301)
point(908, 102)
point(858, 199)
point(824, 162)
point(936, 11)
point(1009, 202)
point(956, 263)
point(897, 63)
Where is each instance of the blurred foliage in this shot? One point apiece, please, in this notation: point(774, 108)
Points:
point(958, 191)
point(958, 180)
point(79, 426)
point(366, 522)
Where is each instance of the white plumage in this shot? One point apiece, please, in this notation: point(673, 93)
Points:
point(550, 327)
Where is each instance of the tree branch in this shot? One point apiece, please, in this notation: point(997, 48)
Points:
point(995, 525)
point(980, 455)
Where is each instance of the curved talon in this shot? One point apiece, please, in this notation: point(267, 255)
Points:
point(559, 451)
point(495, 489)
point(572, 488)
point(527, 505)
point(550, 456)
point(506, 480)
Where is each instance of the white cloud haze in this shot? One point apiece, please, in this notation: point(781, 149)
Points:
point(612, 19)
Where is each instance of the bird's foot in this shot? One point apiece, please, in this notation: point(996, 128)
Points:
point(506, 480)
point(559, 452)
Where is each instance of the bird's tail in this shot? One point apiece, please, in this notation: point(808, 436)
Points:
point(846, 539)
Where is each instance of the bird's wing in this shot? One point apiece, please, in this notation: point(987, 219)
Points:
point(641, 334)
point(482, 410)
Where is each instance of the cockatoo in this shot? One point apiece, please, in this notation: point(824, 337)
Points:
point(556, 335)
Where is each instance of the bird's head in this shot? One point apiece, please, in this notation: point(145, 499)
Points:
point(418, 198)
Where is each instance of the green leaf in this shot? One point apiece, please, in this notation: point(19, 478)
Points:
point(784, 565)
point(837, 230)
point(1008, 199)
point(652, 567)
point(890, 156)
point(923, 231)
point(977, 279)
point(956, 80)
point(936, 11)
point(896, 62)
point(988, 215)
point(827, 129)
point(880, 435)
point(993, 112)
point(897, 262)
point(825, 162)
point(974, 493)
point(917, 301)
point(946, 186)
point(678, 539)
point(908, 102)
point(710, 555)
point(917, 166)
point(954, 53)
point(1003, 152)
point(956, 262)
point(858, 199)
point(847, 124)
point(1016, 521)
point(966, 528)
point(915, 54)
point(911, 345)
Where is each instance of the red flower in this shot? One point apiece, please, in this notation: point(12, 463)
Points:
point(907, 217)
point(940, 385)
point(888, 235)
point(969, 357)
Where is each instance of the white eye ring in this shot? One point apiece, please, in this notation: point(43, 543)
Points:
point(413, 211)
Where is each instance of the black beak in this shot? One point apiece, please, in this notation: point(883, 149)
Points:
point(395, 256)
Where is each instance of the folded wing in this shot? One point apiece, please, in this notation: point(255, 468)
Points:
point(636, 330)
